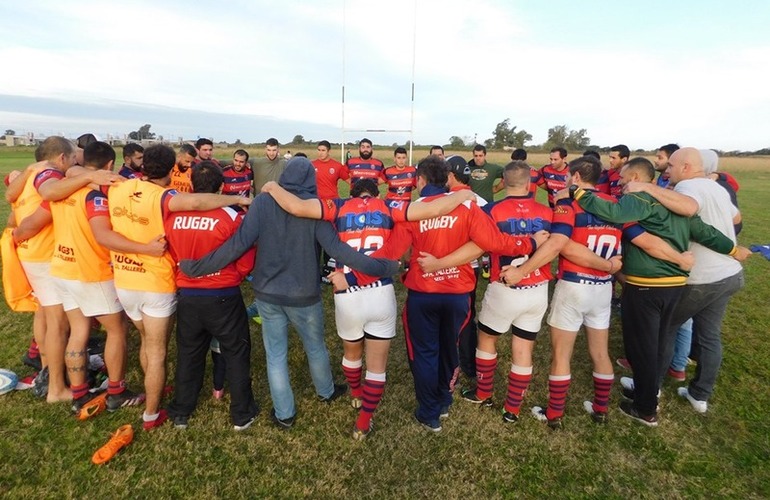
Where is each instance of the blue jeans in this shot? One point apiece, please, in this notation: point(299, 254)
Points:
point(309, 323)
point(706, 305)
point(682, 347)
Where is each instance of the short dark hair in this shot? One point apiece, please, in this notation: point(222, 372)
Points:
point(187, 148)
point(519, 154)
point(85, 139)
point(365, 140)
point(592, 153)
point(399, 150)
point(669, 149)
point(643, 166)
point(206, 177)
point(562, 152)
point(300, 154)
point(433, 148)
point(203, 142)
point(54, 146)
point(325, 144)
point(480, 147)
point(589, 167)
point(241, 152)
point(516, 173)
point(159, 159)
point(131, 148)
point(364, 186)
point(272, 142)
point(434, 170)
point(622, 150)
point(98, 154)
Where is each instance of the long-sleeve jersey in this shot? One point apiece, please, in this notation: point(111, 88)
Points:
point(443, 235)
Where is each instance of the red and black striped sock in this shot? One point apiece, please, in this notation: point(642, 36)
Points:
point(486, 363)
point(116, 387)
point(518, 381)
point(602, 386)
point(353, 371)
point(78, 391)
point(374, 386)
point(558, 385)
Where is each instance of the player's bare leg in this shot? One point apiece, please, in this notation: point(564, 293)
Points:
point(38, 331)
point(76, 355)
point(155, 344)
point(55, 344)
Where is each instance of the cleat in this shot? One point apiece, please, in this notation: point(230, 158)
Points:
point(283, 424)
point(361, 435)
point(125, 398)
point(33, 363)
point(431, 425)
point(697, 405)
point(356, 402)
point(598, 417)
point(678, 375)
point(122, 437)
point(470, 396)
point(339, 390)
point(509, 417)
point(623, 363)
point(92, 406)
point(162, 417)
point(539, 413)
point(41, 384)
point(627, 408)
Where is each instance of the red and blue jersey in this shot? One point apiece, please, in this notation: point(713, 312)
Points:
point(552, 181)
point(129, 173)
point(609, 183)
point(519, 216)
point(358, 168)
point(401, 182)
point(237, 183)
point(599, 236)
point(365, 224)
point(534, 180)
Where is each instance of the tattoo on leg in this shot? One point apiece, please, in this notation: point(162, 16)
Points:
point(75, 354)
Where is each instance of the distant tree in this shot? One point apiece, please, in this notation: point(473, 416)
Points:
point(456, 142)
point(10, 132)
point(142, 133)
point(489, 143)
point(298, 139)
point(238, 142)
point(573, 140)
point(134, 135)
point(504, 135)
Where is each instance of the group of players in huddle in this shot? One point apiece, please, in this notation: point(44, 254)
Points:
point(174, 235)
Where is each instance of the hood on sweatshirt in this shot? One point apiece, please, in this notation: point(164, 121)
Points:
point(299, 178)
point(710, 161)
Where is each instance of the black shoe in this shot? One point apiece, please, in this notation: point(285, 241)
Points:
point(339, 390)
point(32, 362)
point(180, 421)
point(627, 407)
point(539, 413)
point(509, 418)
point(41, 384)
point(95, 344)
point(284, 424)
point(125, 398)
point(470, 396)
point(79, 403)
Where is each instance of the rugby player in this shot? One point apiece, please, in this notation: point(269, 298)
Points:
point(132, 161)
point(401, 178)
point(238, 177)
point(328, 172)
point(365, 166)
point(180, 174)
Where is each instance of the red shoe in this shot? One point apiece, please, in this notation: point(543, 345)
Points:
point(122, 437)
point(623, 363)
point(677, 375)
point(162, 417)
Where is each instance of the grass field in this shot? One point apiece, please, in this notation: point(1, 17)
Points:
point(725, 453)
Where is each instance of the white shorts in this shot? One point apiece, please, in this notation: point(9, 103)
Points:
point(575, 304)
point(93, 299)
point(523, 308)
point(157, 305)
point(42, 283)
point(369, 310)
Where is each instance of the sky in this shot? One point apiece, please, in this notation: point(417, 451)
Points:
point(640, 73)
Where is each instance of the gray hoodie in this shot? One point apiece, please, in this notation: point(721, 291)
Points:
point(286, 269)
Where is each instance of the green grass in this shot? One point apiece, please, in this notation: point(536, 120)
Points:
point(46, 453)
